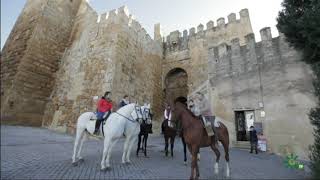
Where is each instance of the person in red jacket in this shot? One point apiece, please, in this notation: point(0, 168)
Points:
point(104, 105)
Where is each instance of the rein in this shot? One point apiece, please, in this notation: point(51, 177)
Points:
point(131, 120)
point(127, 118)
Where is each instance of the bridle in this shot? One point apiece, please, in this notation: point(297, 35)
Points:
point(147, 116)
point(139, 118)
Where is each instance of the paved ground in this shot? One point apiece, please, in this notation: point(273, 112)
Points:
point(42, 154)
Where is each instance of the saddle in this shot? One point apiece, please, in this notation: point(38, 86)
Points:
point(94, 117)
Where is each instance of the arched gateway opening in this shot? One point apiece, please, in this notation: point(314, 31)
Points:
point(176, 85)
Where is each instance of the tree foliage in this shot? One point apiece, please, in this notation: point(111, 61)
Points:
point(299, 21)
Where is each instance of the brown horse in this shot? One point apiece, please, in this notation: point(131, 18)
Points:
point(169, 134)
point(196, 137)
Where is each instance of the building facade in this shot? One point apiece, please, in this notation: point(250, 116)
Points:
point(61, 55)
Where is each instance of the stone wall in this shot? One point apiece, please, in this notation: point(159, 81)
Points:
point(110, 52)
point(30, 59)
point(190, 51)
point(61, 55)
point(265, 76)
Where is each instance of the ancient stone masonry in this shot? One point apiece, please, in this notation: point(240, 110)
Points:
point(111, 53)
point(190, 51)
point(30, 58)
point(266, 76)
point(61, 56)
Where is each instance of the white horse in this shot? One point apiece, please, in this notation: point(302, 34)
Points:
point(125, 121)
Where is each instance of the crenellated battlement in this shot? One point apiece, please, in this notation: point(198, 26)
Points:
point(62, 54)
point(234, 58)
point(234, 27)
point(122, 17)
point(265, 34)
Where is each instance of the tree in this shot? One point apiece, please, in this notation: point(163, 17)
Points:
point(299, 21)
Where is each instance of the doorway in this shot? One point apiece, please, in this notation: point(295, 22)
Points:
point(243, 121)
point(176, 85)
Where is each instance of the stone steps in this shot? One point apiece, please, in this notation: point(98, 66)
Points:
point(241, 144)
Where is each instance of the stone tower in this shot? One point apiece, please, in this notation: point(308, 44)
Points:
point(30, 58)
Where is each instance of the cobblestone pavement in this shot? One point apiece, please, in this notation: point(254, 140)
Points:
point(42, 154)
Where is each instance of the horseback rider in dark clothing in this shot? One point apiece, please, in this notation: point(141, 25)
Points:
point(124, 101)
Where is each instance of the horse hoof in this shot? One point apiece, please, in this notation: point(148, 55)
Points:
point(105, 169)
point(75, 164)
point(128, 163)
point(185, 163)
point(81, 160)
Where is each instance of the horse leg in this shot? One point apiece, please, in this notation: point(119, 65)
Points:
point(131, 143)
point(166, 144)
point(105, 152)
point(143, 141)
point(145, 138)
point(217, 152)
point(84, 137)
point(139, 142)
point(107, 161)
point(172, 144)
point(194, 163)
point(225, 144)
point(79, 135)
point(125, 149)
point(184, 150)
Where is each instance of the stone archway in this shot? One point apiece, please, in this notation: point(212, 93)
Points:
point(176, 84)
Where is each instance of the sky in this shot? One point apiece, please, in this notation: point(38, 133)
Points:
point(171, 14)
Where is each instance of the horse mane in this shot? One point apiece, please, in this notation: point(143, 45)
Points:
point(186, 108)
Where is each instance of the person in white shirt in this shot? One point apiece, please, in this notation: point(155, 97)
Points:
point(167, 117)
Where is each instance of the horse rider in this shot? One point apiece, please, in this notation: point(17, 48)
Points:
point(104, 105)
point(167, 117)
point(124, 101)
point(206, 113)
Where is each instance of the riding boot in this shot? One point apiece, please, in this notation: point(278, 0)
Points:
point(98, 122)
point(109, 112)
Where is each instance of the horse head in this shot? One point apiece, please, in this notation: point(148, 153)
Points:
point(137, 113)
point(146, 112)
point(177, 109)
